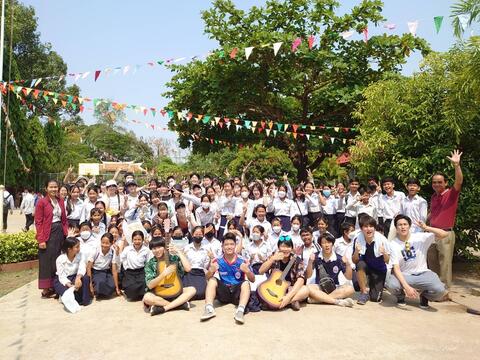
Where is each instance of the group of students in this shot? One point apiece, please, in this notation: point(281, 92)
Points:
point(224, 239)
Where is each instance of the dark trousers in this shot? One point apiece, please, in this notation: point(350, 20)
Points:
point(386, 226)
point(375, 281)
point(82, 295)
point(339, 219)
point(103, 283)
point(133, 284)
point(5, 217)
point(332, 224)
point(28, 221)
point(286, 222)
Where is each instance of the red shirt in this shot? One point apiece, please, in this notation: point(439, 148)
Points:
point(44, 217)
point(443, 208)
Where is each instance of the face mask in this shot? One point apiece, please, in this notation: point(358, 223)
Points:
point(281, 194)
point(171, 183)
point(197, 239)
point(85, 235)
point(277, 229)
point(326, 193)
point(295, 227)
point(255, 236)
point(206, 205)
point(244, 194)
point(177, 238)
point(209, 235)
point(148, 230)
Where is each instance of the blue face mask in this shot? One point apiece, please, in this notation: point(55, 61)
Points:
point(326, 193)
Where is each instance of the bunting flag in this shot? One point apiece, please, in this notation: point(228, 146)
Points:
point(296, 43)
point(276, 47)
point(464, 19)
point(438, 23)
point(97, 74)
point(390, 26)
point(365, 34)
point(12, 138)
point(233, 53)
point(346, 34)
point(311, 40)
point(248, 51)
point(412, 27)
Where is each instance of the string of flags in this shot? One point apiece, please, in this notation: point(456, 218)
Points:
point(231, 53)
point(12, 138)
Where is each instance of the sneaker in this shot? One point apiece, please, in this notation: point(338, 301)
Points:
point(295, 306)
point(423, 302)
point(239, 317)
point(363, 299)
point(208, 313)
point(157, 310)
point(185, 306)
point(401, 302)
point(146, 308)
point(349, 302)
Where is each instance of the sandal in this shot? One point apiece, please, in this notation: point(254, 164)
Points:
point(48, 294)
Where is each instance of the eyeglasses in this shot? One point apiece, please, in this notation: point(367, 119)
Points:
point(284, 238)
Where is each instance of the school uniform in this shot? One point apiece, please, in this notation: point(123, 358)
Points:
point(205, 217)
point(330, 211)
point(213, 245)
point(306, 252)
point(391, 207)
point(75, 212)
point(28, 207)
point(226, 207)
point(102, 277)
point(67, 272)
point(254, 222)
point(340, 214)
point(316, 236)
point(296, 238)
point(133, 263)
point(351, 213)
point(85, 212)
point(253, 252)
point(372, 262)
point(416, 209)
point(283, 209)
point(314, 207)
point(334, 267)
point(300, 208)
point(199, 261)
point(360, 208)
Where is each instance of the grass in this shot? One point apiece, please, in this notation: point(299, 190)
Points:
point(10, 281)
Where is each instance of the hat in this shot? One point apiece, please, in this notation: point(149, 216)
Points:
point(131, 182)
point(110, 183)
point(178, 187)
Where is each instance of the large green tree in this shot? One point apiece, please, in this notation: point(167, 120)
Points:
point(408, 126)
point(306, 87)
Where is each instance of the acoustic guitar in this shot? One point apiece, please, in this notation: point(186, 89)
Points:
point(170, 286)
point(273, 290)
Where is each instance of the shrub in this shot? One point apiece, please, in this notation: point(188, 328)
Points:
point(18, 247)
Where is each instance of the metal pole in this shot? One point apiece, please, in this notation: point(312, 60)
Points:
point(2, 38)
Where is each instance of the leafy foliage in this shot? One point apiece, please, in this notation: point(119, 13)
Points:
point(409, 125)
point(464, 7)
point(308, 87)
point(18, 247)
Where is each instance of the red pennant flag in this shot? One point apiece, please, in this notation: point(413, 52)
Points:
point(295, 127)
point(296, 43)
point(189, 116)
point(153, 126)
point(263, 124)
point(97, 74)
point(365, 34)
point(221, 124)
point(145, 112)
point(233, 53)
point(163, 112)
point(211, 141)
point(35, 93)
point(24, 90)
point(311, 40)
point(81, 108)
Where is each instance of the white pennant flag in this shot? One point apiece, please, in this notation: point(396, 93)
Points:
point(308, 136)
point(332, 139)
point(344, 141)
point(276, 47)
point(412, 27)
point(125, 69)
point(463, 18)
point(77, 76)
point(85, 74)
point(217, 120)
point(268, 131)
point(346, 34)
point(248, 51)
point(116, 70)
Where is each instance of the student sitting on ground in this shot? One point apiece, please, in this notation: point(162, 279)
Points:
point(371, 255)
point(231, 286)
point(409, 258)
point(329, 287)
point(177, 263)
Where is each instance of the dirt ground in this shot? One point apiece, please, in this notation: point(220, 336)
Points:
point(31, 327)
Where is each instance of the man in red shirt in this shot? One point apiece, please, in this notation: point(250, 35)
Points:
point(443, 208)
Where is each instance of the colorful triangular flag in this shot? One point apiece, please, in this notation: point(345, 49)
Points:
point(438, 23)
point(97, 74)
point(412, 27)
point(248, 51)
point(276, 47)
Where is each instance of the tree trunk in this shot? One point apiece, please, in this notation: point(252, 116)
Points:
point(300, 160)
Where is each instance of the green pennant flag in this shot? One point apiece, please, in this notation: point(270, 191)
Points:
point(74, 107)
point(279, 126)
point(438, 22)
point(247, 123)
point(55, 95)
point(160, 62)
point(45, 97)
point(303, 126)
point(170, 113)
point(70, 98)
point(206, 119)
point(221, 53)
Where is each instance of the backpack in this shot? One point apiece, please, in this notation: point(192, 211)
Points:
point(6, 202)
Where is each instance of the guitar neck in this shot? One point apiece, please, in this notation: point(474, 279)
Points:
point(288, 267)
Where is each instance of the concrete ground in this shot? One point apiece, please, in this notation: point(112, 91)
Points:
point(31, 327)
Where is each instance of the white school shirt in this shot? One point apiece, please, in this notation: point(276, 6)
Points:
point(340, 206)
point(313, 203)
point(133, 259)
point(330, 208)
point(391, 205)
point(112, 202)
point(416, 209)
point(214, 246)
point(28, 204)
point(226, 205)
point(205, 217)
point(85, 213)
point(76, 210)
point(376, 201)
point(265, 224)
point(273, 239)
point(88, 246)
point(198, 258)
point(349, 198)
point(131, 200)
point(378, 240)
point(66, 268)
point(306, 252)
point(316, 235)
point(101, 261)
point(253, 251)
point(414, 261)
point(281, 207)
point(252, 204)
point(296, 238)
point(343, 248)
point(300, 207)
point(102, 230)
point(361, 208)
point(239, 207)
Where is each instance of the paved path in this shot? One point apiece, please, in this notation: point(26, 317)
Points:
point(115, 329)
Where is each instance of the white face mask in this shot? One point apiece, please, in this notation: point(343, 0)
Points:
point(255, 236)
point(281, 194)
point(171, 183)
point(206, 205)
point(295, 227)
point(277, 229)
point(244, 194)
point(85, 235)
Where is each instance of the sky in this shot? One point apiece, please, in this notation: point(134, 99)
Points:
point(93, 34)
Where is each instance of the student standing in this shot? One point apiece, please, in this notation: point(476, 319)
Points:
point(391, 203)
point(28, 207)
point(52, 227)
point(413, 205)
point(8, 205)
